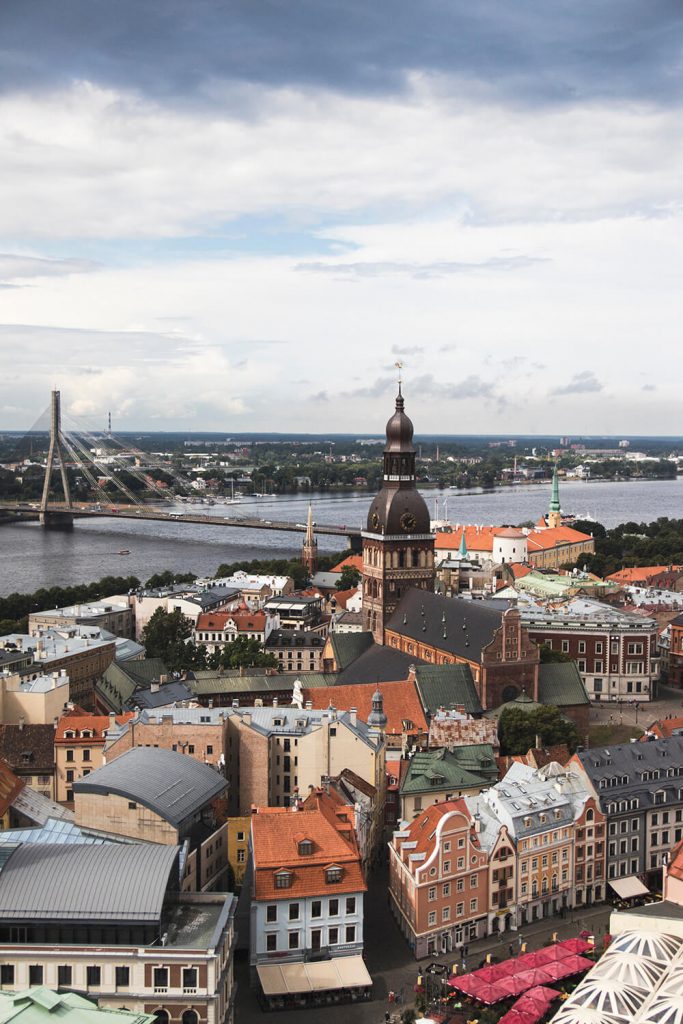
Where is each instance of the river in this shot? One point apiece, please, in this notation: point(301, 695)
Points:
point(31, 557)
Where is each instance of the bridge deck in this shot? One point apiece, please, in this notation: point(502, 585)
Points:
point(138, 512)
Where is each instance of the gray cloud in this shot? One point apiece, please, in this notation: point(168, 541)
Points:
point(407, 350)
point(16, 267)
point(649, 387)
point(582, 383)
point(422, 387)
point(174, 50)
point(440, 268)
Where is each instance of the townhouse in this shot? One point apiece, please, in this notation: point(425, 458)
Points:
point(307, 888)
point(639, 787)
point(213, 630)
point(79, 740)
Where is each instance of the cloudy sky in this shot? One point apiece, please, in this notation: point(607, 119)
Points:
point(239, 214)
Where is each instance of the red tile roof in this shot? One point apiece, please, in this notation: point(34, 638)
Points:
point(480, 538)
point(641, 573)
point(477, 538)
point(275, 838)
point(554, 537)
point(664, 727)
point(79, 720)
point(244, 619)
point(519, 570)
point(421, 829)
point(401, 702)
point(353, 561)
point(342, 596)
point(675, 866)
point(10, 786)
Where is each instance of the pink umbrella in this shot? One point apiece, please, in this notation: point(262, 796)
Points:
point(578, 945)
point(538, 998)
point(536, 976)
point(515, 1016)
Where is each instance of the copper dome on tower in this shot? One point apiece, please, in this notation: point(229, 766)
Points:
point(399, 428)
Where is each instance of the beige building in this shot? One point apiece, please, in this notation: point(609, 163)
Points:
point(276, 753)
point(199, 732)
point(79, 747)
point(81, 651)
point(34, 699)
point(115, 616)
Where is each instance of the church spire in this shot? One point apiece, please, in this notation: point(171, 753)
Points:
point(309, 549)
point(554, 512)
point(462, 549)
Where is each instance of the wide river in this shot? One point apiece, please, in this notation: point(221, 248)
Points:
point(31, 557)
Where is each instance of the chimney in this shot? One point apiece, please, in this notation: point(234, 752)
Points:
point(235, 702)
point(112, 720)
point(21, 721)
point(309, 705)
point(538, 742)
point(210, 703)
point(155, 687)
point(353, 715)
point(274, 702)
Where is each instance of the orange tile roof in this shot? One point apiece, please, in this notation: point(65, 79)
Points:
point(275, 839)
point(519, 570)
point(79, 720)
point(421, 829)
point(477, 538)
point(10, 786)
point(342, 596)
point(642, 573)
point(664, 727)
point(553, 537)
point(675, 865)
point(244, 619)
point(401, 703)
point(353, 561)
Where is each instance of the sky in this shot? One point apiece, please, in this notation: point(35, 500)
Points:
point(238, 215)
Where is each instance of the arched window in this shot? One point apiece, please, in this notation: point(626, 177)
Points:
point(161, 1016)
point(190, 1017)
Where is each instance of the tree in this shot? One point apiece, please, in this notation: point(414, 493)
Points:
point(167, 579)
point(350, 578)
point(549, 655)
point(517, 730)
point(167, 636)
point(242, 653)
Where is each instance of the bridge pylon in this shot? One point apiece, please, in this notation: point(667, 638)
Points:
point(51, 519)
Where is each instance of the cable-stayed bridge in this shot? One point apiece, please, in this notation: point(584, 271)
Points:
point(110, 464)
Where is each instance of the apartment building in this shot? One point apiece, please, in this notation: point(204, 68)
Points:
point(83, 652)
point(432, 776)
point(115, 616)
point(306, 910)
point(213, 630)
point(79, 740)
point(616, 652)
point(199, 732)
point(639, 787)
point(108, 920)
point(36, 699)
point(297, 650)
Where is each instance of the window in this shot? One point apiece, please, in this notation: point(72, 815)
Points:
point(293, 940)
point(565, 646)
point(69, 775)
point(69, 755)
point(293, 911)
point(459, 884)
point(316, 908)
point(132, 806)
point(461, 863)
point(189, 1017)
point(240, 837)
point(209, 748)
point(350, 933)
point(473, 906)
point(305, 848)
point(241, 856)
point(333, 909)
point(271, 942)
point(86, 755)
point(160, 977)
point(7, 974)
point(94, 977)
point(446, 889)
point(122, 977)
point(350, 904)
point(333, 936)
point(35, 974)
point(431, 892)
point(333, 875)
point(431, 918)
point(190, 748)
point(283, 879)
point(460, 909)
point(271, 913)
point(64, 974)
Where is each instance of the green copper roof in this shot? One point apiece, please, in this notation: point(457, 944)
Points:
point(41, 1005)
point(560, 684)
point(347, 647)
point(555, 493)
point(461, 768)
point(445, 686)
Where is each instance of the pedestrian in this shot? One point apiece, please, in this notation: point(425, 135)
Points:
point(512, 952)
point(465, 949)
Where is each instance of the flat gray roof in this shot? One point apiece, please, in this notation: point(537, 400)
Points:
point(86, 883)
point(172, 785)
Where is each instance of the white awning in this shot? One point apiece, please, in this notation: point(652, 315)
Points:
point(317, 976)
point(627, 888)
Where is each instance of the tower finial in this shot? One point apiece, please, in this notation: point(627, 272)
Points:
point(399, 366)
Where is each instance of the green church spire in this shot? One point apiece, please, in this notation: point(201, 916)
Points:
point(555, 493)
point(462, 550)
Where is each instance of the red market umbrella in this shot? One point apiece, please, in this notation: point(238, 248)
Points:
point(515, 1016)
point(578, 945)
point(538, 998)
point(566, 967)
point(536, 976)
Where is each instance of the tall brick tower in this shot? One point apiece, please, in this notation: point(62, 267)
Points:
point(398, 545)
point(309, 548)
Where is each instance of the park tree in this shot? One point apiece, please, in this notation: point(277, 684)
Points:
point(167, 636)
point(242, 653)
point(350, 578)
point(517, 729)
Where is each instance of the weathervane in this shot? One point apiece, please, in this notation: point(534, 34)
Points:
point(399, 367)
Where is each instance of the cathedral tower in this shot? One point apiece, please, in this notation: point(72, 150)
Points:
point(398, 545)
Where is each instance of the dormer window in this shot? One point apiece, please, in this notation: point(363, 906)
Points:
point(333, 874)
point(278, 721)
point(305, 848)
point(86, 733)
point(70, 734)
point(283, 879)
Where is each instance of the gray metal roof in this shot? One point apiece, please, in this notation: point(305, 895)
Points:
point(450, 624)
point(636, 770)
point(172, 785)
point(86, 883)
